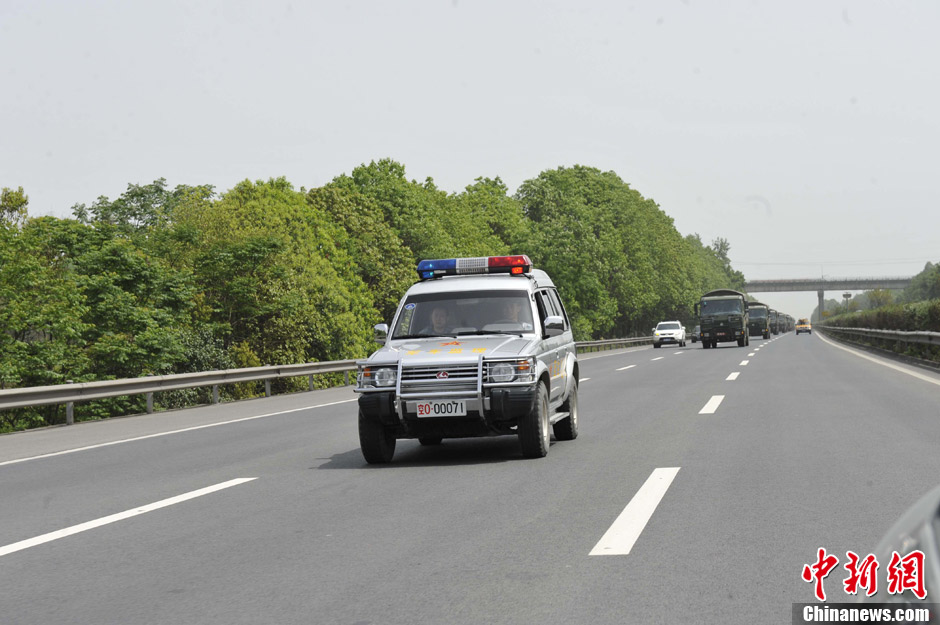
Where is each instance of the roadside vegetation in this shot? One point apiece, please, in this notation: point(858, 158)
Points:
point(915, 309)
point(161, 281)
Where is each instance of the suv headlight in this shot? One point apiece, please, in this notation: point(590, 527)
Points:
point(385, 377)
point(502, 372)
point(378, 376)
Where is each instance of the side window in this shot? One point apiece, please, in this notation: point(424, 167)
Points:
point(544, 306)
point(556, 301)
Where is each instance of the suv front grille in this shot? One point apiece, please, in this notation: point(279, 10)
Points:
point(464, 377)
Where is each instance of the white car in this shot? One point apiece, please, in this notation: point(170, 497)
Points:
point(669, 332)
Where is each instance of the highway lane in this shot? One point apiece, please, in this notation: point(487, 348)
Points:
point(810, 447)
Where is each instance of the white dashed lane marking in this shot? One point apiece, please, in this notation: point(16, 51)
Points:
point(120, 516)
point(623, 534)
point(712, 405)
point(751, 354)
point(733, 376)
point(655, 359)
point(190, 429)
point(744, 363)
point(625, 368)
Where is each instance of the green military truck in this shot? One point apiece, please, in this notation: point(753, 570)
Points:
point(723, 317)
point(758, 323)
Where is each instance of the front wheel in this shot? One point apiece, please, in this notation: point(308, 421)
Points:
point(567, 428)
point(430, 440)
point(534, 437)
point(375, 440)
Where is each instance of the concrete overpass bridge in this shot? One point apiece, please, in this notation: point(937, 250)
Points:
point(821, 285)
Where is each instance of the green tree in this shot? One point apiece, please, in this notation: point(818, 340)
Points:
point(924, 286)
point(13, 206)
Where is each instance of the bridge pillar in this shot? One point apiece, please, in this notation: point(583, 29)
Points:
point(822, 302)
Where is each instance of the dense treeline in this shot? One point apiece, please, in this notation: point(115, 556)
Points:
point(163, 280)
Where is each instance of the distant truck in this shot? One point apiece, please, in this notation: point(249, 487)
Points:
point(758, 323)
point(774, 321)
point(723, 317)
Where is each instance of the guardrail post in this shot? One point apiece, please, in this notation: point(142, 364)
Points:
point(267, 388)
point(69, 409)
point(310, 381)
point(215, 393)
point(150, 399)
point(346, 375)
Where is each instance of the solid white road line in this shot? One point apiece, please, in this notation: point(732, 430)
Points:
point(919, 376)
point(625, 368)
point(712, 405)
point(120, 516)
point(655, 359)
point(744, 363)
point(733, 376)
point(620, 538)
point(192, 429)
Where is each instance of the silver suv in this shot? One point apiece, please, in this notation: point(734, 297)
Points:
point(669, 332)
point(478, 347)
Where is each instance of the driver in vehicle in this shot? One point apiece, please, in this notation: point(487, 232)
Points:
point(440, 322)
point(511, 308)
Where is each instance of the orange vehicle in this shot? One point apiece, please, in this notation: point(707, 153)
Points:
point(803, 325)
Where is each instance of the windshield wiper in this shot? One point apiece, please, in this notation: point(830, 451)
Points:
point(485, 332)
point(424, 336)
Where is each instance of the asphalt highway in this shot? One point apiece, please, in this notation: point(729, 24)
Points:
point(692, 495)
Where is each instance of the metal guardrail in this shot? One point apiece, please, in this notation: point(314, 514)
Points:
point(613, 343)
point(70, 393)
point(923, 338)
point(86, 391)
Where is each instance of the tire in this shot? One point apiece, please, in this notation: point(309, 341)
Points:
point(430, 440)
point(747, 340)
point(741, 341)
point(376, 441)
point(567, 428)
point(534, 436)
point(656, 345)
point(705, 345)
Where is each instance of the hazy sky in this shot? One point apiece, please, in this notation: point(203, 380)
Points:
point(805, 133)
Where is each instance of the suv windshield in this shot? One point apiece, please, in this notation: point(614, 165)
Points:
point(720, 306)
point(465, 312)
point(668, 326)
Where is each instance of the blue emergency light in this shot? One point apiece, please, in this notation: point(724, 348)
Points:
point(514, 265)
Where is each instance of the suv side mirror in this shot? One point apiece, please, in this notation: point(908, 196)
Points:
point(381, 333)
point(554, 325)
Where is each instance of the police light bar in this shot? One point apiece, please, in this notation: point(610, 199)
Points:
point(514, 265)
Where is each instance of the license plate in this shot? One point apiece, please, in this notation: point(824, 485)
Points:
point(448, 408)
